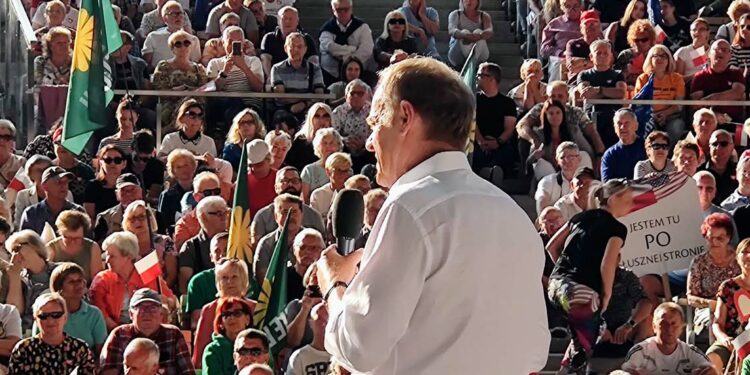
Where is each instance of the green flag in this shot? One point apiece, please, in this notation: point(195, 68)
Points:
point(469, 76)
point(269, 312)
point(97, 35)
point(240, 241)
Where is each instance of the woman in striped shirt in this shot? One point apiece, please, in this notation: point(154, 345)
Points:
point(741, 44)
point(126, 120)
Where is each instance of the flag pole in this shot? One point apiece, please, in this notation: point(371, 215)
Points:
point(151, 243)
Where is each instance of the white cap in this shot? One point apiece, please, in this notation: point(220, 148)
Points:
point(257, 151)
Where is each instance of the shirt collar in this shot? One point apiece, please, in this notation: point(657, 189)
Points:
point(440, 162)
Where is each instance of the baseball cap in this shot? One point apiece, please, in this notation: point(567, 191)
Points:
point(577, 48)
point(55, 172)
point(257, 150)
point(144, 295)
point(585, 172)
point(126, 179)
point(589, 16)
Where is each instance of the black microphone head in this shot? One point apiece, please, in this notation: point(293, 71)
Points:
point(348, 213)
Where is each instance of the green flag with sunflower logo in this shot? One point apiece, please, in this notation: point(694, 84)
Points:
point(240, 241)
point(89, 92)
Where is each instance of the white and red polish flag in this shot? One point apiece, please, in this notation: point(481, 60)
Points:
point(148, 267)
point(661, 36)
point(698, 57)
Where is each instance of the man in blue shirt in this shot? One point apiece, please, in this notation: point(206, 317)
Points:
point(55, 185)
point(620, 159)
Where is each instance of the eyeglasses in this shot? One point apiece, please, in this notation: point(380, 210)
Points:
point(54, 315)
point(232, 314)
point(144, 159)
point(659, 146)
point(642, 40)
point(7, 137)
point(720, 144)
point(174, 14)
point(115, 160)
point(192, 114)
point(218, 213)
point(211, 192)
point(182, 43)
point(250, 351)
point(397, 21)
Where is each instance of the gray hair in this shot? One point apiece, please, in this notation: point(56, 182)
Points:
point(272, 136)
point(600, 42)
point(704, 174)
point(170, 4)
point(47, 298)
point(704, 111)
point(232, 29)
point(326, 132)
point(287, 8)
point(206, 175)
point(307, 232)
point(357, 83)
point(8, 125)
point(142, 343)
point(555, 84)
point(723, 132)
point(625, 112)
point(125, 242)
point(208, 203)
point(35, 159)
point(256, 366)
point(248, 334)
point(567, 145)
point(27, 237)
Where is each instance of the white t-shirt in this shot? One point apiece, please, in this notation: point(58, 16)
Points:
point(550, 191)
point(10, 322)
point(185, 3)
point(321, 199)
point(157, 43)
point(308, 361)
point(38, 21)
point(684, 54)
point(647, 358)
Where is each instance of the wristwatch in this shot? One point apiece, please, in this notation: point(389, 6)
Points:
point(631, 323)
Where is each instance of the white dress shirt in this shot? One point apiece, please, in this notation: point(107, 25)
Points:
point(449, 282)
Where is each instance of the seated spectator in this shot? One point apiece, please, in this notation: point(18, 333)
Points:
point(327, 141)
point(706, 183)
point(553, 186)
point(617, 32)
point(149, 170)
point(10, 163)
point(314, 355)
point(100, 192)
point(85, 322)
point(111, 287)
point(69, 19)
point(214, 47)
point(296, 75)
point(577, 200)
point(279, 142)
point(43, 144)
point(72, 245)
point(284, 205)
point(233, 315)
point(265, 23)
point(577, 60)
point(641, 37)
point(246, 126)
point(735, 10)
point(248, 23)
point(554, 131)
point(302, 152)
point(287, 182)
point(394, 44)
point(657, 150)
point(720, 165)
point(181, 165)
point(344, 36)
point(469, 28)
point(675, 26)
point(374, 200)
point(236, 73)
point(700, 32)
point(205, 184)
point(127, 118)
point(741, 43)
point(558, 32)
point(619, 160)
point(358, 182)
point(260, 177)
point(124, 21)
point(53, 66)
point(189, 135)
point(34, 168)
point(667, 85)
point(127, 190)
point(251, 349)
point(665, 351)
point(141, 221)
point(54, 16)
point(179, 72)
point(423, 24)
point(154, 20)
point(531, 91)
point(602, 82)
point(146, 313)
point(11, 322)
point(350, 120)
point(51, 348)
point(201, 289)
point(704, 125)
point(141, 357)
point(307, 246)
point(720, 81)
point(55, 187)
point(129, 73)
point(548, 222)
point(272, 49)
point(591, 31)
point(338, 169)
point(232, 281)
point(157, 46)
point(194, 254)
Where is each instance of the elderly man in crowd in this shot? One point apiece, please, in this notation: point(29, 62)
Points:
point(591, 28)
point(741, 195)
point(55, 185)
point(558, 32)
point(272, 47)
point(154, 20)
point(251, 347)
point(146, 313)
point(284, 204)
point(248, 23)
point(341, 37)
point(127, 189)
point(350, 120)
point(214, 47)
point(10, 163)
point(704, 125)
point(577, 200)
point(706, 183)
point(201, 289)
point(288, 181)
point(195, 254)
point(296, 75)
point(205, 184)
point(720, 81)
point(620, 159)
point(307, 246)
point(141, 357)
point(156, 47)
point(553, 187)
point(720, 164)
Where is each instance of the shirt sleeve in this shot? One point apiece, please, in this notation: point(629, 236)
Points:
point(294, 363)
point(99, 328)
point(111, 357)
point(634, 359)
point(12, 323)
point(212, 26)
point(698, 359)
point(364, 44)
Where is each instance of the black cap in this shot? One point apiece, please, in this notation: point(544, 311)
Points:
point(585, 172)
point(126, 179)
point(577, 48)
point(55, 172)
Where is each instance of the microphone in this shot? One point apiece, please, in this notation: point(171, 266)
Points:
point(348, 217)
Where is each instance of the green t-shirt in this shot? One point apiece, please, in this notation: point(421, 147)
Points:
point(201, 290)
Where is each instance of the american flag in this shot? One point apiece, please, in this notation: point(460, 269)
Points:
point(650, 190)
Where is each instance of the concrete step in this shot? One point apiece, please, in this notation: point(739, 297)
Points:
point(375, 21)
point(322, 11)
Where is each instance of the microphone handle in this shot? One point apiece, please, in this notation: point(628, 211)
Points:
point(345, 245)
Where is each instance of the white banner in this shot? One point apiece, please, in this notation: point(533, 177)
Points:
point(664, 227)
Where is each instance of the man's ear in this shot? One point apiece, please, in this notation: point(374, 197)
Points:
point(406, 117)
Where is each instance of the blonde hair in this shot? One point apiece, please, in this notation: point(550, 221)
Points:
point(176, 155)
point(322, 134)
point(628, 14)
point(308, 131)
point(205, 175)
point(648, 66)
point(238, 265)
point(27, 237)
point(234, 137)
point(386, 33)
point(54, 3)
point(130, 211)
point(338, 159)
point(47, 298)
point(528, 64)
point(600, 194)
point(170, 4)
point(178, 34)
point(51, 34)
point(737, 8)
point(125, 242)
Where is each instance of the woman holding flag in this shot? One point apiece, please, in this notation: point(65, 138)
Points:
point(659, 69)
point(140, 220)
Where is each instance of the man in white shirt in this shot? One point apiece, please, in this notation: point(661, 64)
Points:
point(156, 47)
point(341, 37)
point(577, 200)
point(665, 353)
point(312, 359)
point(552, 187)
point(438, 291)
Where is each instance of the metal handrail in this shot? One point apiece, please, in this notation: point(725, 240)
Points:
point(740, 103)
point(227, 94)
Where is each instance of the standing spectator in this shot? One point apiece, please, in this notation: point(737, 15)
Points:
point(338, 170)
point(146, 312)
point(189, 135)
point(248, 23)
point(327, 141)
point(667, 85)
point(272, 46)
point(558, 32)
point(127, 118)
point(675, 26)
point(154, 20)
point(246, 126)
point(51, 351)
point(194, 254)
point(552, 187)
point(280, 142)
point(181, 165)
point(350, 120)
point(700, 32)
point(619, 160)
point(201, 289)
point(100, 192)
point(577, 201)
point(265, 23)
point(469, 27)
point(214, 47)
point(296, 75)
point(55, 186)
point(127, 190)
point(720, 81)
point(72, 245)
point(641, 37)
point(617, 32)
point(157, 48)
point(141, 357)
point(394, 44)
point(251, 347)
point(531, 91)
point(302, 151)
point(720, 165)
point(312, 357)
point(141, 221)
point(233, 315)
point(341, 37)
point(10, 163)
point(53, 66)
point(261, 177)
point(741, 43)
point(657, 150)
point(423, 23)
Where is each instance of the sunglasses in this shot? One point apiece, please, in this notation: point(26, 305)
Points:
point(218, 213)
point(115, 160)
point(250, 351)
point(720, 144)
point(397, 21)
point(642, 40)
point(659, 146)
point(232, 314)
point(192, 114)
point(322, 116)
point(182, 43)
point(7, 137)
point(54, 315)
point(211, 192)
point(144, 159)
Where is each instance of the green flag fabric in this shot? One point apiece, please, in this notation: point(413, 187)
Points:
point(269, 313)
point(89, 92)
point(469, 76)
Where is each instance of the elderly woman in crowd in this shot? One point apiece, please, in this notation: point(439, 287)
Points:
point(338, 169)
point(350, 120)
point(246, 126)
point(53, 66)
point(232, 280)
point(302, 153)
point(686, 157)
point(233, 315)
point(641, 37)
point(177, 74)
point(181, 166)
point(51, 350)
point(72, 244)
point(351, 69)
point(214, 47)
point(111, 287)
point(189, 134)
point(586, 250)
point(33, 169)
point(700, 32)
point(141, 221)
point(127, 117)
point(326, 142)
point(100, 192)
point(617, 32)
point(532, 90)
point(668, 85)
point(394, 44)
point(279, 142)
point(85, 322)
point(54, 15)
point(657, 149)
point(469, 27)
